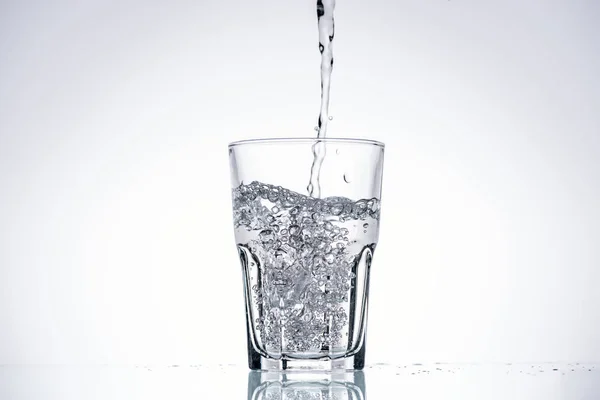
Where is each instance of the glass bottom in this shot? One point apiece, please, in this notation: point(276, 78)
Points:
point(350, 363)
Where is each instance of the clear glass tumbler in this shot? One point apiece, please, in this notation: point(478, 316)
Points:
point(306, 260)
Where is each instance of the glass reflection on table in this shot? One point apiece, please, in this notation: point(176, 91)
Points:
point(306, 385)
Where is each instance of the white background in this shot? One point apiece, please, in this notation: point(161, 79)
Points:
point(116, 244)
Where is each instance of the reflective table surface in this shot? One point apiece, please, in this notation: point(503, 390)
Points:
point(546, 381)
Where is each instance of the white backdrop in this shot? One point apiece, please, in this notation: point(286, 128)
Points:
point(116, 244)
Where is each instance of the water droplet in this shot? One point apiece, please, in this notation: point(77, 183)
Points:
point(337, 151)
point(346, 178)
point(316, 128)
point(365, 225)
point(364, 231)
point(331, 117)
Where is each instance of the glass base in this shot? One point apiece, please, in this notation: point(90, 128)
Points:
point(351, 363)
point(348, 363)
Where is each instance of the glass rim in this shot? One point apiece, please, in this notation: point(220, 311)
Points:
point(306, 140)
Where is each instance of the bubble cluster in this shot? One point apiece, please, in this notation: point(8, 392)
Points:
point(307, 250)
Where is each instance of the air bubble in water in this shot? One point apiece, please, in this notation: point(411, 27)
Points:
point(267, 236)
point(347, 208)
point(365, 225)
point(360, 207)
point(273, 196)
point(294, 229)
point(295, 241)
point(307, 316)
point(337, 209)
point(374, 205)
point(317, 217)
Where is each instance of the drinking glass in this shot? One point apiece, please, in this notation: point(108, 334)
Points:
point(306, 260)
